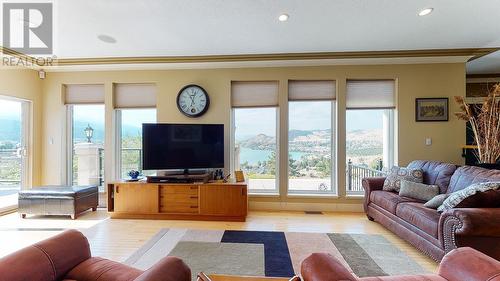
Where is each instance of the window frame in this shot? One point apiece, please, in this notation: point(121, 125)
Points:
point(389, 122)
point(333, 153)
point(118, 137)
point(276, 190)
point(68, 147)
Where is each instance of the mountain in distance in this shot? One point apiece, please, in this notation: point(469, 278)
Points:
point(10, 130)
point(301, 138)
point(79, 131)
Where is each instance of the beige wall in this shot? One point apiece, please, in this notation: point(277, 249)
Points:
point(25, 84)
point(423, 80)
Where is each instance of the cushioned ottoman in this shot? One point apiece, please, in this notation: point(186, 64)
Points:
point(58, 200)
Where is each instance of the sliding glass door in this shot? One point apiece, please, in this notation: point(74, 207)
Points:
point(14, 154)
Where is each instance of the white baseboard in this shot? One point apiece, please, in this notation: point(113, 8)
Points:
point(290, 206)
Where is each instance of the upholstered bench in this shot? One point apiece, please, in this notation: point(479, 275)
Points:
point(58, 200)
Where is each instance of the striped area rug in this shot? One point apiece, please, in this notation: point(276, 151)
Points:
point(271, 253)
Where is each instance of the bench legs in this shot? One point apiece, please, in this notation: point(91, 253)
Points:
point(23, 216)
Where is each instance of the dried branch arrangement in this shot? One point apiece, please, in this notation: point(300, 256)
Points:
point(484, 120)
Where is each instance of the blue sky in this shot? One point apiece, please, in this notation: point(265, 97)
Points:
point(130, 117)
point(9, 109)
point(303, 116)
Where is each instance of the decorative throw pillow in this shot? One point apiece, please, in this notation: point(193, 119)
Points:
point(458, 196)
point(436, 201)
point(393, 180)
point(418, 191)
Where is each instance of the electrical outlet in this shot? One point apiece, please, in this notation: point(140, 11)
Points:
point(428, 141)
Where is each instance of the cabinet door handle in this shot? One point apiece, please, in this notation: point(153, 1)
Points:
point(194, 187)
point(193, 207)
point(193, 197)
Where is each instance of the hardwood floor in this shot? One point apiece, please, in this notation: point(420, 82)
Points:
point(117, 239)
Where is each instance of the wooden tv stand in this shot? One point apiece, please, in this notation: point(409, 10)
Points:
point(178, 201)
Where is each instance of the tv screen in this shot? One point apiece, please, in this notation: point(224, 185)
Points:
point(182, 146)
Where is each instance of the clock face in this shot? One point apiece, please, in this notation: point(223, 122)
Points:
point(193, 101)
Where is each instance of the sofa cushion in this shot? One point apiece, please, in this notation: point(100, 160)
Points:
point(436, 201)
point(418, 191)
point(388, 200)
point(393, 180)
point(467, 175)
point(458, 196)
point(435, 172)
point(103, 269)
point(416, 214)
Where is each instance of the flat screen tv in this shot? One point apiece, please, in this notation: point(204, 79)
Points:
point(182, 146)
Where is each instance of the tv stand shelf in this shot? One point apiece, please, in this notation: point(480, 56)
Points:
point(178, 201)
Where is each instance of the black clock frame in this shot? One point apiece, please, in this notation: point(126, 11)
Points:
point(201, 112)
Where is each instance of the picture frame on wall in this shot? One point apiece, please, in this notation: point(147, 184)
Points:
point(431, 109)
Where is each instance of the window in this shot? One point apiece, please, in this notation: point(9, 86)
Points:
point(135, 104)
point(369, 131)
point(86, 144)
point(130, 139)
point(85, 133)
point(311, 112)
point(254, 136)
point(14, 150)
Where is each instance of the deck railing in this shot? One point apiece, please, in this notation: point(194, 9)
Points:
point(356, 173)
point(10, 167)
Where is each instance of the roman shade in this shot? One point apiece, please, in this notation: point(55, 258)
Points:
point(370, 94)
point(306, 90)
point(254, 93)
point(135, 95)
point(84, 94)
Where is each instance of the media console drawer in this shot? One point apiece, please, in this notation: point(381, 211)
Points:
point(179, 199)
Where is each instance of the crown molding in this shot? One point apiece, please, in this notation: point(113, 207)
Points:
point(474, 53)
point(259, 60)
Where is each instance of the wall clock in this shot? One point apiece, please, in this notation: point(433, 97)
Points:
point(193, 101)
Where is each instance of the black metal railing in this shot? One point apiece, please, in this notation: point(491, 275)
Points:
point(356, 173)
point(10, 167)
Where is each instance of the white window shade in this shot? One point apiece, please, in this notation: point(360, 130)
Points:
point(135, 95)
point(254, 93)
point(84, 94)
point(311, 90)
point(370, 94)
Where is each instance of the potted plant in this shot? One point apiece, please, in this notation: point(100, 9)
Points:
point(484, 120)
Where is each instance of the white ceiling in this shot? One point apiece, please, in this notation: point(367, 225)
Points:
point(222, 27)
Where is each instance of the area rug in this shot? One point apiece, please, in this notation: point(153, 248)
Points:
point(272, 254)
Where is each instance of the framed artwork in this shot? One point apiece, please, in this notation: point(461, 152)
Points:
point(431, 109)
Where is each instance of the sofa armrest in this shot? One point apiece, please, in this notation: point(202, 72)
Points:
point(468, 264)
point(369, 185)
point(324, 267)
point(167, 269)
point(481, 222)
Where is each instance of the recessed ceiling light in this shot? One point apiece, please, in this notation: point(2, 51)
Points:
point(283, 17)
point(106, 38)
point(425, 12)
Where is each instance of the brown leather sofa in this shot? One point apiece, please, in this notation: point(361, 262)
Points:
point(464, 264)
point(67, 257)
point(474, 223)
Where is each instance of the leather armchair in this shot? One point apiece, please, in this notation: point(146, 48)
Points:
point(458, 265)
point(67, 257)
